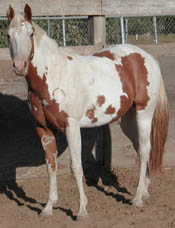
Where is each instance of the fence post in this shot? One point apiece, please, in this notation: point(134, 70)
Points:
point(64, 31)
point(155, 29)
point(122, 29)
point(48, 27)
point(97, 30)
point(126, 30)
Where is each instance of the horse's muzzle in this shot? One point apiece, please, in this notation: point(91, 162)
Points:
point(20, 67)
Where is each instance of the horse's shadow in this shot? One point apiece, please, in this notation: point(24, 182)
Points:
point(20, 147)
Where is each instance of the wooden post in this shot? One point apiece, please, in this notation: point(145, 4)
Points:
point(97, 36)
point(97, 30)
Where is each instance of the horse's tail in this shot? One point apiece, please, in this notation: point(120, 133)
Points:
point(159, 131)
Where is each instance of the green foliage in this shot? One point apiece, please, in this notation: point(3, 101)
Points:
point(56, 31)
point(3, 34)
point(140, 25)
point(113, 34)
point(76, 32)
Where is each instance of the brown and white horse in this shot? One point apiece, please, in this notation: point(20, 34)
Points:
point(70, 91)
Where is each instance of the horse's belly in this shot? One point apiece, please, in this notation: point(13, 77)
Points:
point(103, 113)
point(106, 102)
point(95, 121)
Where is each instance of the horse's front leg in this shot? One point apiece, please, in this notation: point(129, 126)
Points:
point(49, 145)
point(74, 141)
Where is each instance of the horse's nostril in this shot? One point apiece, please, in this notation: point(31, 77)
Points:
point(14, 64)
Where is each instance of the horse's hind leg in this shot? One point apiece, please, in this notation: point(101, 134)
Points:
point(74, 142)
point(144, 122)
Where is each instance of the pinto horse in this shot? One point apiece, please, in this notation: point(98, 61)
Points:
point(69, 91)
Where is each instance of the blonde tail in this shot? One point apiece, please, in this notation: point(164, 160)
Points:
point(159, 131)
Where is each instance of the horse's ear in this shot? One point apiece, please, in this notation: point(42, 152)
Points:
point(10, 13)
point(28, 13)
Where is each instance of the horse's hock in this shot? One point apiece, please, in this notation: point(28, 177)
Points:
point(21, 154)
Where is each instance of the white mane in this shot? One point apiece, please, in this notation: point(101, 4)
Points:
point(51, 43)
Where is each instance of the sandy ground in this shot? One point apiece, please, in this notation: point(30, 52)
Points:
point(109, 205)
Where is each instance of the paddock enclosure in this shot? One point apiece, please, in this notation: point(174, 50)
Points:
point(22, 158)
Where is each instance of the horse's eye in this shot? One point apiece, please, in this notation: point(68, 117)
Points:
point(8, 36)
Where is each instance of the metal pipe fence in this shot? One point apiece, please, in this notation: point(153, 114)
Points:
point(74, 31)
point(141, 30)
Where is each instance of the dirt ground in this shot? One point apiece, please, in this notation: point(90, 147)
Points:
point(109, 193)
point(109, 202)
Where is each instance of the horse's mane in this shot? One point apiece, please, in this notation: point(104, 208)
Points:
point(39, 33)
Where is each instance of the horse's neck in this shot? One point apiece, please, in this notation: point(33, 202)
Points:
point(43, 44)
point(44, 48)
point(47, 54)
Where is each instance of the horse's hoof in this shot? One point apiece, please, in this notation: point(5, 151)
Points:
point(146, 195)
point(82, 217)
point(45, 214)
point(137, 203)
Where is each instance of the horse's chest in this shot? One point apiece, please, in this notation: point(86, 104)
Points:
point(56, 117)
point(44, 108)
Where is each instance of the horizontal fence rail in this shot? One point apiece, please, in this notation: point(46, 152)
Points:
point(75, 30)
point(93, 7)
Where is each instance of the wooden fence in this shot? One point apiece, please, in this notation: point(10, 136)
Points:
point(93, 7)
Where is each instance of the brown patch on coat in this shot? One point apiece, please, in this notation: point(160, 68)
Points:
point(57, 118)
point(91, 114)
point(125, 103)
point(50, 147)
point(39, 88)
point(106, 54)
point(70, 58)
point(100, 100)
point(134, 77)
point(37, 109)
point(124, 106)
point(110, 110)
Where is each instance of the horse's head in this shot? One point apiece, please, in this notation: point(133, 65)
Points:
point(20, 35)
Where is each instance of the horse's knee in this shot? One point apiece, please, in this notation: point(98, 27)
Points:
point(77, 170)
point(144, 150)
point(144, 156)
point(50, 149)
point(46, 140)
point(51, 159)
